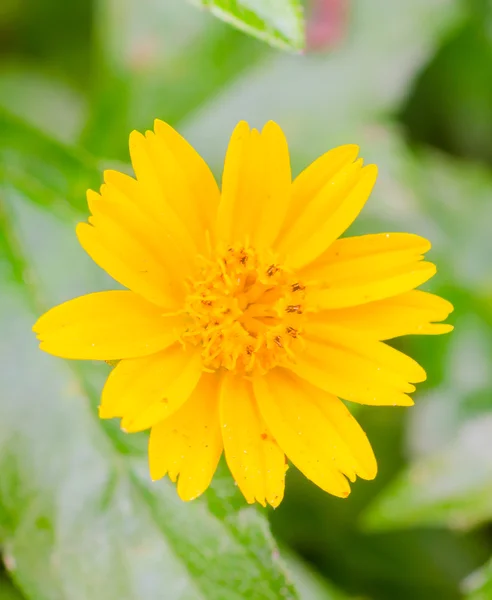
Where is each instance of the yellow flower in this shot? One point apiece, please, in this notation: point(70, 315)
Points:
point(248, 318)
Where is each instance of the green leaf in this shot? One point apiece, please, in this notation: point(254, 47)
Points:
point(322, 101)
point(465, 392)
point(452, 487)
point(7, 590)
point(50, 103)
point(166, 60)
point(79, 517)
point(157, 59)
point(311, 585)
point(278, 22)
point(478, 586)
point(44, 169)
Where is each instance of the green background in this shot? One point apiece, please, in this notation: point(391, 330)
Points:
point(411, 82)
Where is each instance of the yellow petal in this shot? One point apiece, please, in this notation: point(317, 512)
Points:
point(354, 257)
point(255, 187)
point(112, 207)
point(188, 444)
point(127, 186)
point(374, 285)
point(154, 195)
point(254, 458)
point(360, 372)
point(242, 183)
point(232, 179)
point(347, 428)
point(173, 235)
point(107, 326)
point(175, 187)
point(204, 191)
point(385, 356)
point(328, 214)
point(315, 430)
point(326, 200)
point(128, 246)
point(143, 391)
point(308, 183)
point(413, 312)
point(272, 205)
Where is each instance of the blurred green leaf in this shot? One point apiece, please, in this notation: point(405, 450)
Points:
point(451, 103)
point(311, 585)
point(278, 22)
point(149, 61)
point(452, 487)
point(79, 517)
point(46, 101)
point(324, 100)
point(43, 168)
point(465, 392)
point(7, 590)
point(478, 586)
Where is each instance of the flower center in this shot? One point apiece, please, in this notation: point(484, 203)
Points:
point(247, 312)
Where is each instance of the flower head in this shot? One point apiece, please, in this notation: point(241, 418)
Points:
point(247, 316)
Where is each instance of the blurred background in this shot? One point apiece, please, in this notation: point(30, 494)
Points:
point(411, 82)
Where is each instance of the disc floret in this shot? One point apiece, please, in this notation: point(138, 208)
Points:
point(247, 311)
